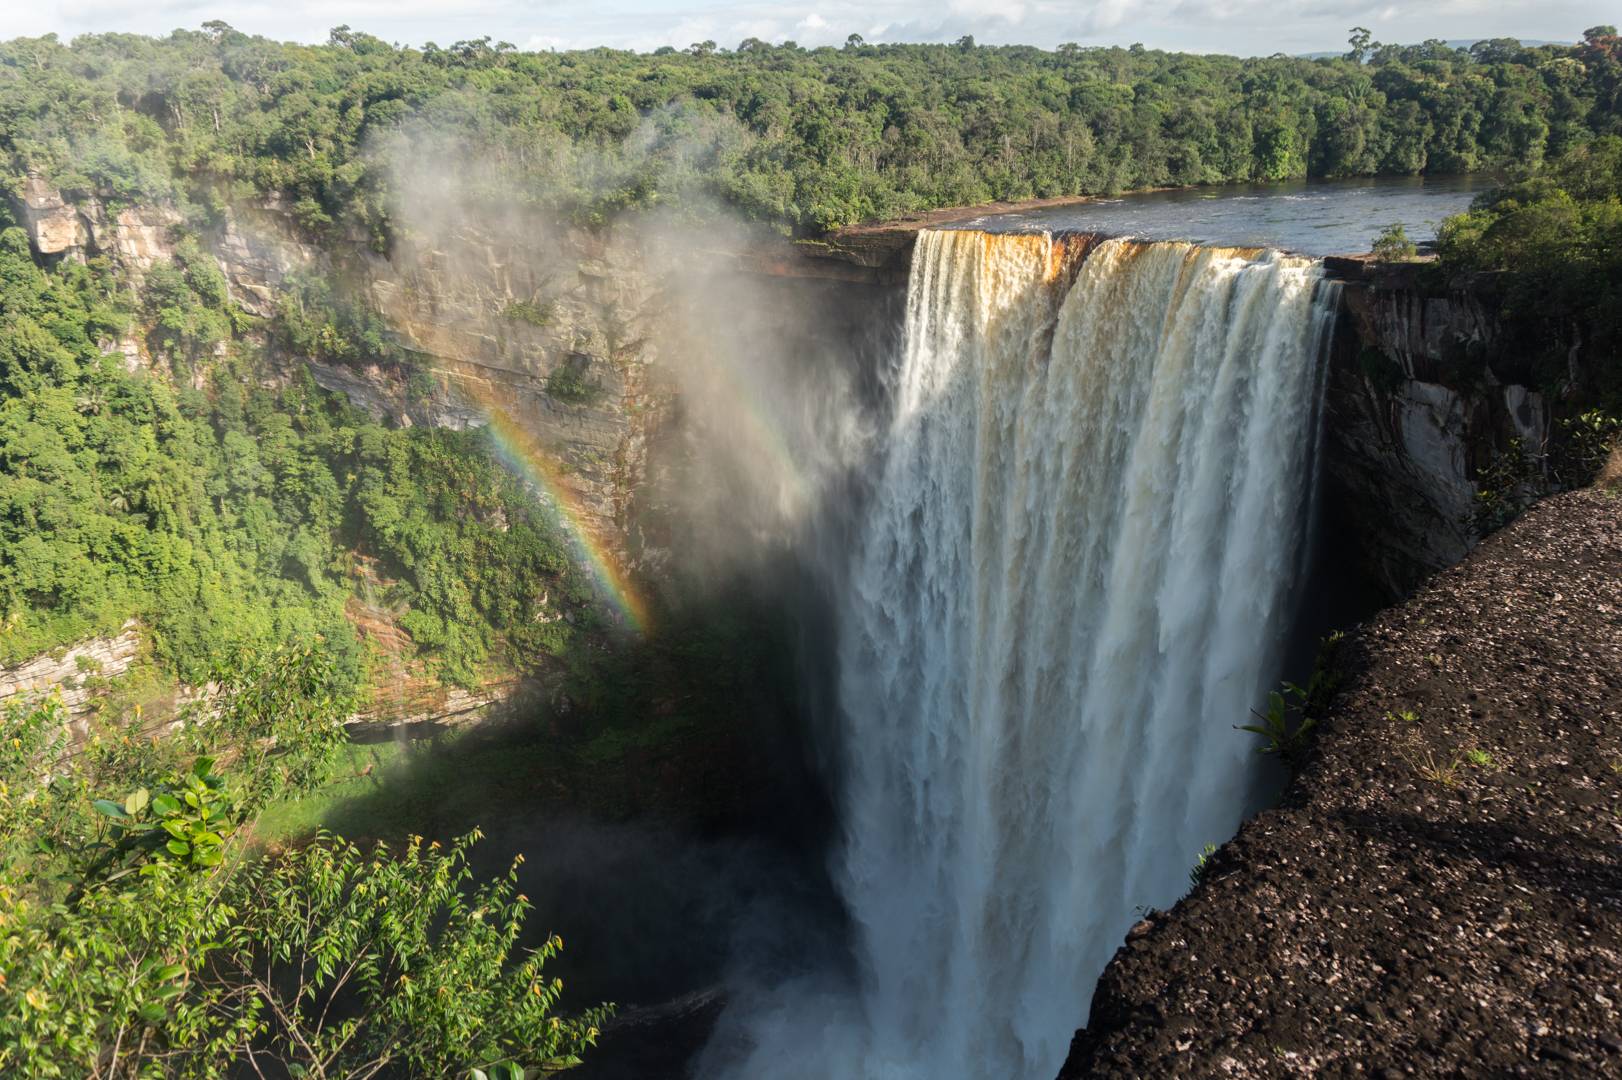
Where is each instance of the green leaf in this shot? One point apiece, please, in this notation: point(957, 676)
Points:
point(200, 768)
point(168, 971)
point(164, 993)
point(178, 847)
point(209, 857)
point(176, 829)
point(110, 808)
point(136, 802)
point(151, 1012)
point(165, 805)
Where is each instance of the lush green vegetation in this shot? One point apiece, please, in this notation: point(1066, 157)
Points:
point(1393, 245)
point(806, 138)
point(1293, 711)
point(1558, 235)
point(141, 935)
point(233, 514)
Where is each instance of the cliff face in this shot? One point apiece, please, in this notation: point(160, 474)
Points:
point(72, 673)
point(555, 324)
point(576, 335)
point(1423, 394)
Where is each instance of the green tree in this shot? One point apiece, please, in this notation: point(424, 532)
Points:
point(140, 934)
point(1393, 245)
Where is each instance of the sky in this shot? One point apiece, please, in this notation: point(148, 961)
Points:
point(1245, 27)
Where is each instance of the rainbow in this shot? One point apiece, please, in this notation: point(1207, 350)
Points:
point(522, 452)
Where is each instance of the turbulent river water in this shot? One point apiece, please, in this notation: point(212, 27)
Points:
point(1073, 578)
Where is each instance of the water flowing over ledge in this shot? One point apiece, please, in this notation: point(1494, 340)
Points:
point(1073, 579)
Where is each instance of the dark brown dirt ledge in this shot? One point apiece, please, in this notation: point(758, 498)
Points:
point(1408, 911)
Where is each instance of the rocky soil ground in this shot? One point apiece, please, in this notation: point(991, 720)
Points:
point(1440, 892)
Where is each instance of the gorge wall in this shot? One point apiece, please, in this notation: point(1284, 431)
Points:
point(584, 339)
point(574, 332)
point(1426, 392)
point(504, 309)
point(565, 325)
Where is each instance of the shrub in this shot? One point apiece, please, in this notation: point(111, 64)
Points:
point(527, 311)
point(569, 384)
point(140, 935)
point(1393, 245)
point(1202, 866)
point(1292, 712)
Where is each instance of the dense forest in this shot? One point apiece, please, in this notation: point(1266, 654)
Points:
point(804, 139)
point(229, 512)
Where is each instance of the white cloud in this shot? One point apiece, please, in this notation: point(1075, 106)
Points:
point(989, 10)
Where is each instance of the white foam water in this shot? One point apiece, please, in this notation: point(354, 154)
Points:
point(1074, 578)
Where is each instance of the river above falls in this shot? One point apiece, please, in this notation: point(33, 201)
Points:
point(1309, 217)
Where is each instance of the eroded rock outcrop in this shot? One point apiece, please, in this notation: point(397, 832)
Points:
point(1423, 395)
point(74, 673)
point(75, 228)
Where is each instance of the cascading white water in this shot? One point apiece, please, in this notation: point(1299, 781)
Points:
point(1073, 580)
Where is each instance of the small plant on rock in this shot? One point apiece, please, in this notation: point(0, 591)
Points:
point(1292, 712)
point(1393, 245)
point(1202, 866)
point(529, 311)
point(1435, 769)
point(1285, 725)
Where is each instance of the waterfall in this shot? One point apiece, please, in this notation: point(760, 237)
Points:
point(1073, 580)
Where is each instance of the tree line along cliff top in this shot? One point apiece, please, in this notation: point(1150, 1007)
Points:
point(804, 139)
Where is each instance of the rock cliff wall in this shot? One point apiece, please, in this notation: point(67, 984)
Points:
point(554, 323)
point(1425, 392)
point(74, 672)
point(574, 334)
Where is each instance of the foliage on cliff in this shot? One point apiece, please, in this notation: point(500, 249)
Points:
point(224, 512)
point(808, 138)
point(141, 934)
point(1558, 235)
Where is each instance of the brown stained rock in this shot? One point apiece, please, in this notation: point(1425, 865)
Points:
point(1610, 477)
point(1414, 908)
point(54, 226)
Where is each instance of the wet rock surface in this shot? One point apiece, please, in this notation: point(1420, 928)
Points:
point(1440, 892)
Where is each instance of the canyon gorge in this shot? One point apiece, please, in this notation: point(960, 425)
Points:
point(1056, 511)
